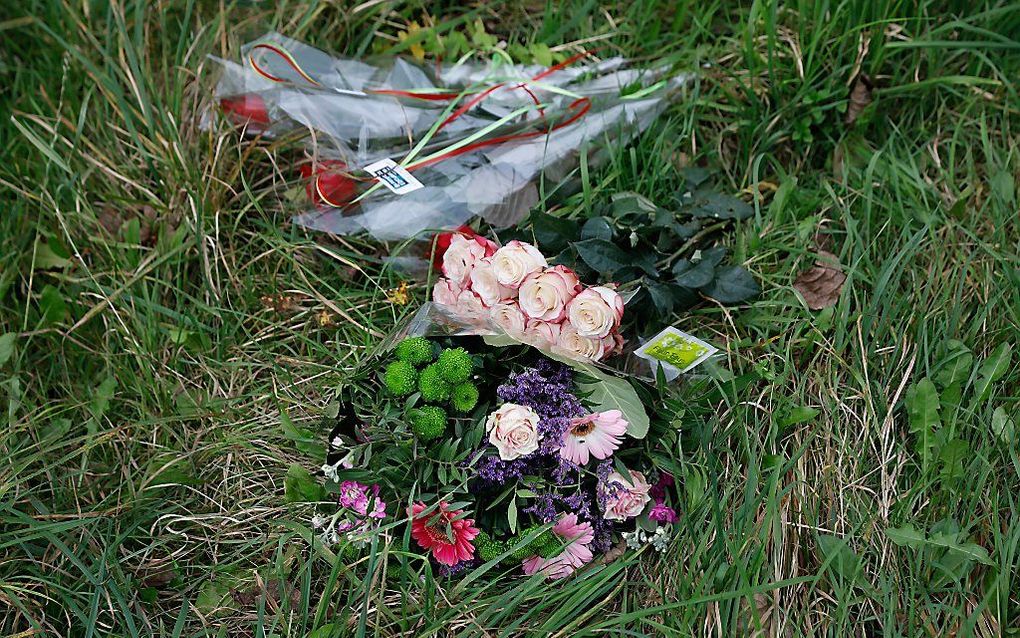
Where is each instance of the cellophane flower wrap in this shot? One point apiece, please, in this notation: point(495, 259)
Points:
point(535, 459)
point(475, 135)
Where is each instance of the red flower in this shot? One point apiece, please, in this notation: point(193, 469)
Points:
point(442, 243)
point(328, 184)
point(242, 109)
point(449, 539)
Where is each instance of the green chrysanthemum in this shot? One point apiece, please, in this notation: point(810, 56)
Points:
point(433, 387)
point(535, 546)
point(428, 422)
point(488, 547)
point(455, 364)
point(464, 397)
point(551, 546)
point(415, 350)
point(400, 378)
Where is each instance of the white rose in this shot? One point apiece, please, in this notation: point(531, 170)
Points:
point(574, 345)
point(509, 317)
point(445, 293)
point(542, 334)
point(485, 285)
point(460, 258)
point(515, 261)
point(595, 312)
point(513, 429)
point(545, 294)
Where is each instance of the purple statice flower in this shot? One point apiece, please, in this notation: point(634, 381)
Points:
point(494, 471)
point(606, 489)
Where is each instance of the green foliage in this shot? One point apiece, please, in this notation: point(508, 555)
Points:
point(922, 401)
point(428, 422)
point(631, 239)
point(433, 387)
point(400, 378)
point(487, 547)
point(542, 542)
point(300, 486)
point(416, 351)
point(455, 365)
point(464, 397)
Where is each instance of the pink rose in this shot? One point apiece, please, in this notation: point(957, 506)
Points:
point(462, 255)
point(595, 312)
point(515, 261)
point(510, 318)
point(469, 307)
point(542, 334)
point(484, 283)
point(627, 498)
point(513, 429)
point(445, 293)
point(545, 294)
point(575, 346)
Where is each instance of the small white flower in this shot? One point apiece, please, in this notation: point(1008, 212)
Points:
point(634, 539)
point(330, 472)
point(660, 540)
point(337, 442)
point(318, 521)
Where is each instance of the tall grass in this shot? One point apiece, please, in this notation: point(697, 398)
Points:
point(165, 315)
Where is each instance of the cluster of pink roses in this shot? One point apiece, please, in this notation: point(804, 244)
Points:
point(515, 288)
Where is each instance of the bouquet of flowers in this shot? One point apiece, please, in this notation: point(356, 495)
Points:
point(394, 148)
point(514, 288)
point(519, 452)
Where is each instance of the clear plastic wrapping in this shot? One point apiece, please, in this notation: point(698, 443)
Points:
point(477, 137)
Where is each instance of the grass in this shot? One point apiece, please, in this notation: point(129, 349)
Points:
point(165, 315)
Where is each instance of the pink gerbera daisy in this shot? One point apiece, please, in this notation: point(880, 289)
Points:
point(576, 553)
point(595, 435)
point(445, 532)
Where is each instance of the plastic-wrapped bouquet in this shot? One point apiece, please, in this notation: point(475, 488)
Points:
point(394, 148)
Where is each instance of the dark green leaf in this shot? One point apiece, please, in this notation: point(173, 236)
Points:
point(992, 369)
point(732, 284)
point(952, 455)
point(719, 206)
point(603, 256)
point(693, 274)
point(662, 295)
point(597, 228)
point(631, 205)
point(841, 559)
point(553, 233)
point(796, 415)
point(694, 176)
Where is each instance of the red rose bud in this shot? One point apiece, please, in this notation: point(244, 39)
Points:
point(442, 243)
point(328, 184)
point(242, 109)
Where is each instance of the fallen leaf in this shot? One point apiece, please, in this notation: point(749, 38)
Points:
point(860, 98)
point(614, 552)
point(822, 284)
